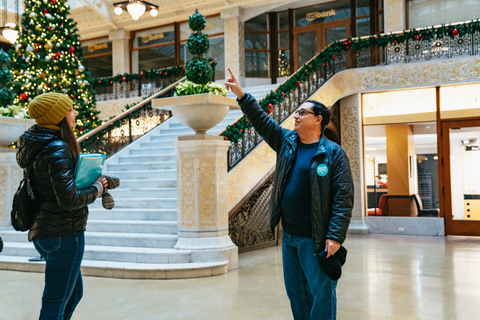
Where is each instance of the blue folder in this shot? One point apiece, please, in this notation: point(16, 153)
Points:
point(89, 168)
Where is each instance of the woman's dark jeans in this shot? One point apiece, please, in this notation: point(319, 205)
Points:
point(63, 279)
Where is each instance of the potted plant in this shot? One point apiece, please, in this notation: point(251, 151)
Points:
point(199, 102)
point(13, 119)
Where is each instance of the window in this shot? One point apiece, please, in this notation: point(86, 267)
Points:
point(363, 18)
point(422, 13)
point(154, 48)
point(98, 57)
point(257, 47)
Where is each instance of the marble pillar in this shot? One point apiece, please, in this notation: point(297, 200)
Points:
point(352, 142)
point(234, 43)
point(10, 176)
point(394, 15)
point(202, 197)
point(120, 51)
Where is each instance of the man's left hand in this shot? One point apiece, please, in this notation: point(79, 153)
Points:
point(331, 246)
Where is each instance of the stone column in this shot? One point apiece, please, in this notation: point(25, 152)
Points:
point(10, 176)
point(352, 143)
point(234, 43)
point(120, 51)
point(394, 15)
point(202, 196)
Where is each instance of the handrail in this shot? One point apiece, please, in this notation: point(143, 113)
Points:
point(426, 43)
point(127, 112)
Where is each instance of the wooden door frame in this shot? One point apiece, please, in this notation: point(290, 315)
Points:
point(321, 36)
point(454, 227)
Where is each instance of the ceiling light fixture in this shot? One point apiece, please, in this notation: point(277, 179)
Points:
point(136, 8)
point(9, 30)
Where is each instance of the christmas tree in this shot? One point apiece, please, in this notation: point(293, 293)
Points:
point(48, 58)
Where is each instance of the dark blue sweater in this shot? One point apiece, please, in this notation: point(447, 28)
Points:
point(296, 200)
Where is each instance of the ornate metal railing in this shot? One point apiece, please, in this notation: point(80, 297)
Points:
point(249, 226)
point(132, 85)
point(125, 128)
point(439, 42)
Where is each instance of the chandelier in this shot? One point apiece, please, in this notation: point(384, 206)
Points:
point(9, 30)
point(136, 8)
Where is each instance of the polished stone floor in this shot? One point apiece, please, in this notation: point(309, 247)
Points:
point(385, 277)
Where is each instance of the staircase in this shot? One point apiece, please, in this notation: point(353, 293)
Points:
point(136, 238)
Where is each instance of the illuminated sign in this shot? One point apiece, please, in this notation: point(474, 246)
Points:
point(316, 15)
point(98, 46)
point(152, 37)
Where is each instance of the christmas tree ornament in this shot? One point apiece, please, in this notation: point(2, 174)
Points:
point(32, 15)
point(81, 68)
point(29, 48)
point(48, 16)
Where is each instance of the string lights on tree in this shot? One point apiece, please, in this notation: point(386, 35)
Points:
point(47, 57)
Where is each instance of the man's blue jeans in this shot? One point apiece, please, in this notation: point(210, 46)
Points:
point(311, 292)
point(63, 279)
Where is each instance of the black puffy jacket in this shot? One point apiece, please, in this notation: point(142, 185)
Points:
point(332, 194)
point(60, 207)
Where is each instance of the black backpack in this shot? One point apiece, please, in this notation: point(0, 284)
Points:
point(23, 205)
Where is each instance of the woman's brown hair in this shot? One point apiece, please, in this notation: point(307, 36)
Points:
point(69, 137)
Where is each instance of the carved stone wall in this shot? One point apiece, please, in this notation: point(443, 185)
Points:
point(394, 15)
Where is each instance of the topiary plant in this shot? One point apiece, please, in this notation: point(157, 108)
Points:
point(198, 70)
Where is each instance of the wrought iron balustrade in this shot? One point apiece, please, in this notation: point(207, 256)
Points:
point(440, 42)
point(132, 88)
point(125, 128)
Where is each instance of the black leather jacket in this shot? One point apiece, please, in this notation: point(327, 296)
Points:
point(332, 194)
point(61, 208)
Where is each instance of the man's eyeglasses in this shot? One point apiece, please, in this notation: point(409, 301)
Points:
point(302, 112)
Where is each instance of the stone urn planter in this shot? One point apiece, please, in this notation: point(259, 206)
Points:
point(11, 129)
point(200, 112)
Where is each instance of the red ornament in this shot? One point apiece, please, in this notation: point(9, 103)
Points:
point(298, 83)
point(23, 97)
point(19, 55)
point(323, 64)
point(455, 31)
point(99, 81)
point(225, 138)
point(58, 54)
point(72, 50)
point(124, 79)
point(111, 81)
point(395, 41)
point(241, 130)
point(142, 75)
point(183, 69)
point(334, 56)
point(376, 37)
point(270, 105)
point(53, 1)
point(45, 11)
point(166, 72)
point(283, 94)
point(246, 120)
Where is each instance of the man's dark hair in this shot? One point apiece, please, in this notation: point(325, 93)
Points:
point(320, 110)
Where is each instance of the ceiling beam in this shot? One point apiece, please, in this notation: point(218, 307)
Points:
point(103, 9)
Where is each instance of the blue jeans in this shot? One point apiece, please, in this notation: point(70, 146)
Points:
point(63, 279)
point(311, 292)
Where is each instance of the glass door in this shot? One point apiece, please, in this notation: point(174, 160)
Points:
point(461, 169)
point(310, 40)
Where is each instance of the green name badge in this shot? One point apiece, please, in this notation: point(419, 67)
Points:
point(322, 170)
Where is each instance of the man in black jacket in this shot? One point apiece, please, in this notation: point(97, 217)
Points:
point(313, 193)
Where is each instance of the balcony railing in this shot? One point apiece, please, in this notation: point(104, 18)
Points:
point(439, 42)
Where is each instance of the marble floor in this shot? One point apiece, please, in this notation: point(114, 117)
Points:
point(385, 277)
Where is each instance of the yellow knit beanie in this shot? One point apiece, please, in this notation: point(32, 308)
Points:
point(49, 109)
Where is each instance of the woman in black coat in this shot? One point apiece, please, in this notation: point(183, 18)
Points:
point(61, 215)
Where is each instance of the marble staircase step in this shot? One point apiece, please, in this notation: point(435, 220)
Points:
point(169, 157)
point(125, 270)
point(147, 183)
point(144, 166)
point(132, 226)
point(159, 193)
point(153, 150)
point(134, 214)
point(110, 253)
point(136, 174)
point(140, 203)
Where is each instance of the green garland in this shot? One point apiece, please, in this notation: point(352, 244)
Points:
point(151, 74)
point(235, 131)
